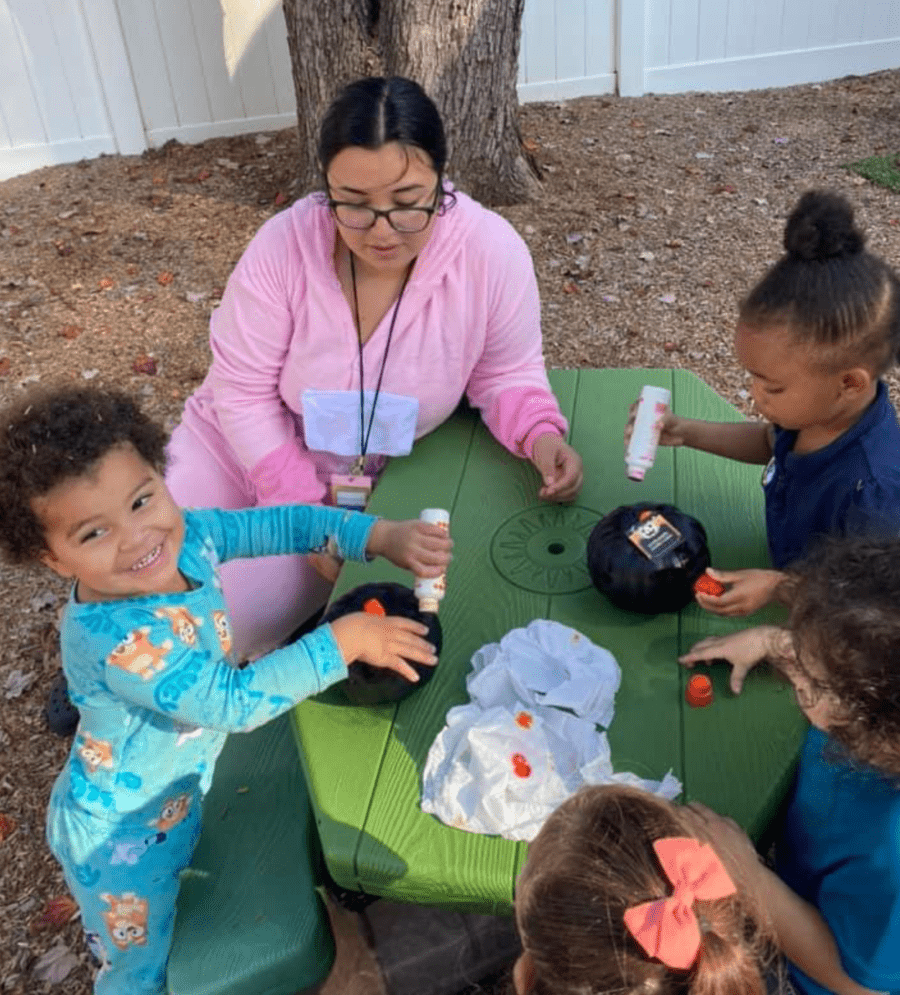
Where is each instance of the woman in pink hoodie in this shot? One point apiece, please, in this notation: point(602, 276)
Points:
point(352, 325)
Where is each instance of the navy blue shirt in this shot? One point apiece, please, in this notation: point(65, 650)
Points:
point(850, 487)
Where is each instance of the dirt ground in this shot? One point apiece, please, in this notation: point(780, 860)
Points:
point(658, 213)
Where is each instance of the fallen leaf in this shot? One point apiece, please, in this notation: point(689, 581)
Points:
point(204, 174)
point(570, 288)
point(159, 181)
point(280, 199)
point(530, 145)
point(132, 270)
point(164, 279)
point(69, 331)
point(7, 826)
point(671, 346)
point(145, 364)
point(4, 365)
point(16, 683)
point(106, 283)
point(55, 965)
point(56, 913)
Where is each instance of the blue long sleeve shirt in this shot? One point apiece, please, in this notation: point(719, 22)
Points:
point(153, 678)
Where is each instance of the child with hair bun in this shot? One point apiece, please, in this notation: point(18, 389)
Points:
point(839, 846)
point(816, 335)
point(148, 651)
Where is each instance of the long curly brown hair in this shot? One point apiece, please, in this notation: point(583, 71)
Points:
point(593, 859)
point(58, 434)
point(845, 625)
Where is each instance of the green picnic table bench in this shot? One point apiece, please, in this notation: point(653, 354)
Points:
point(517, 559)
point(249, 920)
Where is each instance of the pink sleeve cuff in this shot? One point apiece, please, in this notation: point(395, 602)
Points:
point(525, 445)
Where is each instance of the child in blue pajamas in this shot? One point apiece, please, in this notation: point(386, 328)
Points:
point(146, 649)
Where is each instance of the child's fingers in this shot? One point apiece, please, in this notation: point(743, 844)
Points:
point(400, 666)
point(715, 604)
point(707, 649)
point(408, 624)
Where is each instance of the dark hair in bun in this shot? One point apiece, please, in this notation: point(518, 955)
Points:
point(821, 227)
point(829, 290)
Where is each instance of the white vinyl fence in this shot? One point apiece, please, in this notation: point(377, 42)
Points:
point(83, 77)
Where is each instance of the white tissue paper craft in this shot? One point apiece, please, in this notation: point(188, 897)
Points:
point(506, 760)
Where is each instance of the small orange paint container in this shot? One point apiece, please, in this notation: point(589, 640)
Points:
point(374, 607)
point(699, 692)
point(705, 584)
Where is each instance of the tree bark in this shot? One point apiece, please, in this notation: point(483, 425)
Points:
point(464, 53)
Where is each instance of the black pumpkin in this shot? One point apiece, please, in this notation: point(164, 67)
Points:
point(636, 582)
point(368, 685)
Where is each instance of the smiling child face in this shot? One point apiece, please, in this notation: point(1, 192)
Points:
point(116, 531)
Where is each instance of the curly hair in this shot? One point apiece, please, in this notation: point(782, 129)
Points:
point(58, 434)
point(845, 625)
point(593, 859)
point(835, 296)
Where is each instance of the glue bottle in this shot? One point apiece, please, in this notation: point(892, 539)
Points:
point(430, 590)
point(641, 451)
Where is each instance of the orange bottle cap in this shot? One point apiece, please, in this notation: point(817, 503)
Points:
point(699, 692)
point(374, 607)
point(705, 584)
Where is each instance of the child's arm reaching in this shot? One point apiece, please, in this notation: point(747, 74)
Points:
point(803, 935)
point(185, 675)
point(743, 650)
point(747, 441)
point(413, 545)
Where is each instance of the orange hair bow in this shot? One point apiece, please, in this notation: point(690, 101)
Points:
point(667, 929)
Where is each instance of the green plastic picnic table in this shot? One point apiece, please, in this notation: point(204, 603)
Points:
point(516, 559)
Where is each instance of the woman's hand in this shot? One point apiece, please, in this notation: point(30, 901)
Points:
point(671, 432)
point(748, 591)
point(559, 466)
point(383, 641)
point(743, 650)
point(413, 545)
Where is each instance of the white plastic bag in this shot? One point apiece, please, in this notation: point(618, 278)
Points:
point(506, 760)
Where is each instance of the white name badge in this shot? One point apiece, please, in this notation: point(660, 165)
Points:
point(331, 422)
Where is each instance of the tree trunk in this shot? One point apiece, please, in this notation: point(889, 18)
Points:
point(464, 54)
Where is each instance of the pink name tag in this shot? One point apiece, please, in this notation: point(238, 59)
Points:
point(350, 492)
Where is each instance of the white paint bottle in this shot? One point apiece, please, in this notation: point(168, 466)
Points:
point(430, 590)
point(641, 452)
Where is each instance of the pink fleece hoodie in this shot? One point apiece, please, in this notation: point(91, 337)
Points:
point(469, 322)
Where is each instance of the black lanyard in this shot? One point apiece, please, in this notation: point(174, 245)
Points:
point(364, 433)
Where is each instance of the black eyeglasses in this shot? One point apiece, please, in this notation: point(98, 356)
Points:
point(407, 220)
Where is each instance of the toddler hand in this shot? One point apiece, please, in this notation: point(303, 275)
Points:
point(748, 591)
point(326, 565)
point(560, 468)
point(671, 432)
point(413, 545)
point(383, 641)
point(743, 650)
